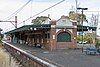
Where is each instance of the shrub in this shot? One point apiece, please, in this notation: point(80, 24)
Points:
point(97, 42)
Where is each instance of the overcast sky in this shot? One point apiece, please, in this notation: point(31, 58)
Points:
point(7, 7)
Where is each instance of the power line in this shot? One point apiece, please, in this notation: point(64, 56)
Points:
point(17, 11)
point(31, 8)
point(42, 11)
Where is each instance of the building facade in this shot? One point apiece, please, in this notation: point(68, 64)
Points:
point(60, 34)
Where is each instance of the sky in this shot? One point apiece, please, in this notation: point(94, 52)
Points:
point(8, 7)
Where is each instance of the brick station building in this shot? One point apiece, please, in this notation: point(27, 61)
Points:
point(50, 35)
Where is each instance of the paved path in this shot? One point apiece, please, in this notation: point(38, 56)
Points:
point(65, 57)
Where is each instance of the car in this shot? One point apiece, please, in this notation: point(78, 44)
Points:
point(84, 42)
point(80, 42)
point(91, 51)
point(98, 50)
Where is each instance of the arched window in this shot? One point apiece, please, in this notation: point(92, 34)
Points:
point(63, 37)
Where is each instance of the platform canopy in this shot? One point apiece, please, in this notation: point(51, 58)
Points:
point(47, 26)
point(29, 27)
point(85, 28)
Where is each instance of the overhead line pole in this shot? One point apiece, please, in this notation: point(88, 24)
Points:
point(76, 5)
point(82, 24)
point(17, 11)
point(16, 22)
point(15, 25)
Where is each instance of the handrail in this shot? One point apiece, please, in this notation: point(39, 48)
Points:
point(31, 56)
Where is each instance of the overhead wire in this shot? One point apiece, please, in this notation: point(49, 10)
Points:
point(17, 11)
point(42, 11)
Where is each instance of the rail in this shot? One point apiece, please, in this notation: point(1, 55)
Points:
point(29, 56)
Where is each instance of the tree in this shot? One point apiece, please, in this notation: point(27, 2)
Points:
point(86, 37)
point(77, 17)
point(97, 43)
point(79, 38)
point(1, 36)
point(89, 37)
point(39, 20)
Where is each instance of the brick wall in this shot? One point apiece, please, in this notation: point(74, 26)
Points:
point(53, 44)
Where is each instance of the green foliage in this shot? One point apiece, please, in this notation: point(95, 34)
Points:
point(76, 16)
point(0, 39)
point(97, 42)
point(79, 38)
point(89, 37)
point(86, 37)
point(39, 20)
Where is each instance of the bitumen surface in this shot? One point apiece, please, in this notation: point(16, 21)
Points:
point(63, 57)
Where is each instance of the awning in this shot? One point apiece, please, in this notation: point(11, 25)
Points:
point(44, 26)
point(85, 28)
point(29, 27)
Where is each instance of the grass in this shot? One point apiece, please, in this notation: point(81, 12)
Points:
point(3, 57)
point(1, 45)
point(5, 60)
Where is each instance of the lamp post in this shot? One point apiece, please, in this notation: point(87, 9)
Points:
point(82, 23)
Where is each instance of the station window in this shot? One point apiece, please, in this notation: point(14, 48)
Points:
point(63, 37)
